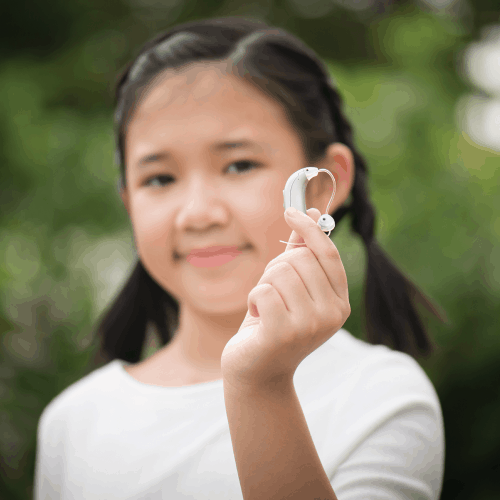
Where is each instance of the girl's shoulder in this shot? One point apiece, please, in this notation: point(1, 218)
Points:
point(360, 370)
point(96, 385)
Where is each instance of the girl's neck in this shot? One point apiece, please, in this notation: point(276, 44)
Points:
point(167, 367)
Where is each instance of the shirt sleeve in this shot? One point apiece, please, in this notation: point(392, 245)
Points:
point(49, 464)
point(403, 459)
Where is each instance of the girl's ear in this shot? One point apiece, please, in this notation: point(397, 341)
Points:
point(339, 160)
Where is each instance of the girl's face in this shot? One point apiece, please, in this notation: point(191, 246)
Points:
point(207, 157)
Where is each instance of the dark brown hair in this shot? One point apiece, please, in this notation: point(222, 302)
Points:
point(286, 69)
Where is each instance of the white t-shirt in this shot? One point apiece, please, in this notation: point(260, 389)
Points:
point(372, 412)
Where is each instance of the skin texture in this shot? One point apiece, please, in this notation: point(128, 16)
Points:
point(211, 200)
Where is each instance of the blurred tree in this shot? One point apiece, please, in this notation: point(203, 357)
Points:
point(65, 239)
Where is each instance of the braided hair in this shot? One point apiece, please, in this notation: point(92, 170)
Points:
point(283, 67)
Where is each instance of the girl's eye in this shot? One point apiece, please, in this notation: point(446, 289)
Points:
point(149, 182)
point(162, 179)
point(244, 162)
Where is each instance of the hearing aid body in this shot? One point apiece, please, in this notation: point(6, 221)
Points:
point(294, 195)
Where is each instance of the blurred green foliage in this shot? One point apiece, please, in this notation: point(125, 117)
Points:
point(66, 242)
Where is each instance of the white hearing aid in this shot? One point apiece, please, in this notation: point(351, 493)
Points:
point(294, 195)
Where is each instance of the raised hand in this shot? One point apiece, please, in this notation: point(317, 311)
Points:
point(301, 301)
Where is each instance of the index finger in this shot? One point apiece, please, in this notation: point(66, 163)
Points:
point(323, 249)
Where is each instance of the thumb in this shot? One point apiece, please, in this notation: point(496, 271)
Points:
point(295, 237)
point(245, 330)
point(251, 318)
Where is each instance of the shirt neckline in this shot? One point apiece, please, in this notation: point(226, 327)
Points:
point(199, 389)
point(192, 389)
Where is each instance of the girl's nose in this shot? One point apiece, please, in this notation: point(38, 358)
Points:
point(201, 205)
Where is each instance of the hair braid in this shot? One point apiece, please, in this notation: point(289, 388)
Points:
point(389, 312)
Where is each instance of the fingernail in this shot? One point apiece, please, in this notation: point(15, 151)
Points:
point(291, 211)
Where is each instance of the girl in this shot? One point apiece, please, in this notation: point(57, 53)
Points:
point(258, 392)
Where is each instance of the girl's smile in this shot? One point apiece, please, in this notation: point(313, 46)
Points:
point(215, 258)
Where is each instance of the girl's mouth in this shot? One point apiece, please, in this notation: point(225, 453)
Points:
point(215, 259)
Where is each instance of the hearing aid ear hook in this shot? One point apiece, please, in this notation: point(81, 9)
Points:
point(294, 195)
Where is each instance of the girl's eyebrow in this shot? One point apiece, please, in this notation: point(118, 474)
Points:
point(218, 147)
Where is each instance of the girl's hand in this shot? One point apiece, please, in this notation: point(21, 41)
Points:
point(300, 302)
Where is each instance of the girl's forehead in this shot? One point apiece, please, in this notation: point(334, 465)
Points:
point(202, 90)
point(201, 108)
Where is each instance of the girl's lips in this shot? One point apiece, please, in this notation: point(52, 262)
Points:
point(208, 252)
point(214, 259)
point(211, 251)
point(200, 253)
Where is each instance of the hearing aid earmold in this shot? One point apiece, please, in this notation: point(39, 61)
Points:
point(294, 195)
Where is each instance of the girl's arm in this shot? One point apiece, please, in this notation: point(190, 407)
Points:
point(301, 300)
point(273, 448)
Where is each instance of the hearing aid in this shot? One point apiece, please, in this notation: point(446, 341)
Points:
point(294, 196)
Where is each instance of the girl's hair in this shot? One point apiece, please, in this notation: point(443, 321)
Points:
point(286, 69)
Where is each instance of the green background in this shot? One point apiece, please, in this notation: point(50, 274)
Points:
point(65, 239)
